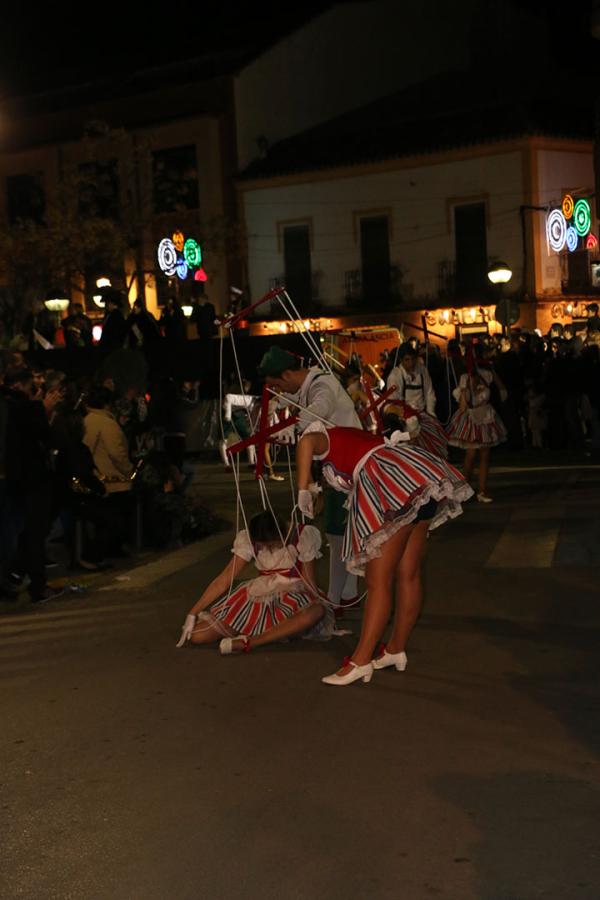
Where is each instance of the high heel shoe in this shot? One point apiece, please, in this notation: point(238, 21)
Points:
point(385, 659)
point(363, 672)
point(226, 645)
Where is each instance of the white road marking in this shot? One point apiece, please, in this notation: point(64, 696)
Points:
point(528, 540)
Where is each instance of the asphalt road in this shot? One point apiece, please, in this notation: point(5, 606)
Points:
point(134, 771)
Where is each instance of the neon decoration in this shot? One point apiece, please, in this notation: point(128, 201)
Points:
point(556, 230)
point(582, 217)
point(167, 256)
point(179, 256)
point(192, 253)
point(567, 206)
point(572, 238)
point(591, 242)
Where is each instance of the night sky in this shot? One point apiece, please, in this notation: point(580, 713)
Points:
point(52, 46)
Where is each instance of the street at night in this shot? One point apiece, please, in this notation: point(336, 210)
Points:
point(132, 769)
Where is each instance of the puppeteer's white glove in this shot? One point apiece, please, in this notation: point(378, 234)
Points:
point(305, 504)
point(187, 630)
point(285, 436)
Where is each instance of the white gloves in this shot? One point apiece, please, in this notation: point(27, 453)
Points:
point(187, 630)
point(306, 500)
point(305, 504)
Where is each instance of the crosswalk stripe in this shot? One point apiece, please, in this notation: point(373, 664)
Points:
point(529, 539)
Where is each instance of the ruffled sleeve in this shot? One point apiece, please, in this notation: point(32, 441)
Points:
point(242, 546)
point(460, 388)
point(309, 544)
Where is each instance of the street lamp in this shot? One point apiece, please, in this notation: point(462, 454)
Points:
point(99, 297)
point(56, 301)
point(501, 273)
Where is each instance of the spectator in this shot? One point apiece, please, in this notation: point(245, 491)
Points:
point(142, 326)
point(77, 328)
point(173, 323)
point(114, 327)
point(106, 440)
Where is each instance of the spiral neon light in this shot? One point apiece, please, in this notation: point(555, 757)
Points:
point(192, 253)
point(591, 242)
point(572, 238)
point(567, 206)
point(182, 269)
point(178, 240)
point(200, 275)
point(167, 256)
point(556, 230)
point(582, 217)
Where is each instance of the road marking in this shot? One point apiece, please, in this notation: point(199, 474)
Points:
point(529, 539)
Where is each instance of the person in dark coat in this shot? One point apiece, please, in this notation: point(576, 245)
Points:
point(114, 327)
point(142, 327)
point(77, 328)
point(173, 323)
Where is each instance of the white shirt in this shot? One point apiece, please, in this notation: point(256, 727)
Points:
point(416, 389)
point(323, 395)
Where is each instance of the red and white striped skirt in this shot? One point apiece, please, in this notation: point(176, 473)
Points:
point(464, 431)
point(250, 616)
point(431, 436)
point(391, 487)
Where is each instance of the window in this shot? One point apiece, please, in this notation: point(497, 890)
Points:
point(25, 199)
point(296, 258)
point(375, 258)
point(175, 179)
point(470, 238)
point(99, 190)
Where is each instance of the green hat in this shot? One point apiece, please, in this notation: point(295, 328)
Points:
point(275, 361)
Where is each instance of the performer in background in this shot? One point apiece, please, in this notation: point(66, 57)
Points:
point(412, 381)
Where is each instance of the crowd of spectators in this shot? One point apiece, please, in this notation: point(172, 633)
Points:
point(101, 465)
point(551, 399)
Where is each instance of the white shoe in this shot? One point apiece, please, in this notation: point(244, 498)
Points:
point(385, 659)
point(226, 645)
point(274, 477)
point(363, 672)
point(483, 498)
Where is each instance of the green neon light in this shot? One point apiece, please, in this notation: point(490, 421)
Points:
point(192, 253)
point(582, 217)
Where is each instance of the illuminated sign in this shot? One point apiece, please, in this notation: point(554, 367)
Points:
point(569, 225)
point(182, 257)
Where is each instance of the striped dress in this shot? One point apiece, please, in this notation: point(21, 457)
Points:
point(388, 485)
point(278, 592)
point(479, 425)
point(426, 431)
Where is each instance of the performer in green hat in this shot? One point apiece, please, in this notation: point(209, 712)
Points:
point(320, 397)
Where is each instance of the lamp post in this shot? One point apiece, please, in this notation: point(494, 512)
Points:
point(500, 273)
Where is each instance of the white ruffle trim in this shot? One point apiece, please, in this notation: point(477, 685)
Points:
point(449, 495)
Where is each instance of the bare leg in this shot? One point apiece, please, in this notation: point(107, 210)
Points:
point(484, 467)
point(296, 624)
point(380, 579)
point(469, 461)
point(204, 633)
point(409, 591)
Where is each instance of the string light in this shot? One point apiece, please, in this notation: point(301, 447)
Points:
point(167, 256)
point(556, 230)
point(572, 238)
point(582, 217)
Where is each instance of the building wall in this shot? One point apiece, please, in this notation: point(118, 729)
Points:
point(419, 197)
point(558, 172)
point(206, 224)
point(343, 59)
